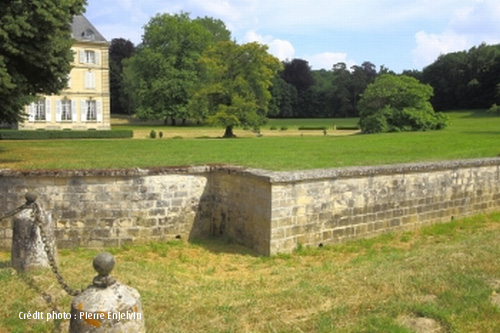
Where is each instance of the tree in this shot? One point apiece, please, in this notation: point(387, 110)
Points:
point(236, 81)
point(465, 79)
point(35, 51)
point(398, 103)
point(283, 98)
point(162, 76)
point(119, 50)
point(216, 27)
point(298, 73)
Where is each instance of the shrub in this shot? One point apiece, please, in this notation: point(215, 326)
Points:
point(494, 109)
point(312, 128)
point(283, 128)
point(273, 128)
point(48, 135)
point(152, 134)
point(398, 103)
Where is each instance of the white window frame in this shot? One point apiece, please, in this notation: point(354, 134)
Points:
point(65, 110)
point(39, 110)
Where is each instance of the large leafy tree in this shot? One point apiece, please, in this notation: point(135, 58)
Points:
point(398, 103)
point(163, 74)
point(119, 50)
point(466, 79)
point(236, 82)
point(35, 51)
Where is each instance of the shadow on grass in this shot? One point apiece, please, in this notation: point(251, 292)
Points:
point(49, 299)
point(223, 246)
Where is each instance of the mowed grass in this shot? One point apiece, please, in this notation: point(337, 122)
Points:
point(443, 278)
point(471, 134)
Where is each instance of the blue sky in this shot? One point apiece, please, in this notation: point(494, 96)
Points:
point(399, 34)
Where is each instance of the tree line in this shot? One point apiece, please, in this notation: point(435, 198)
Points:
point(191, 69)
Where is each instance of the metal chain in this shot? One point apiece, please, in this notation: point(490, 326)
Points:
point(36, 214)
point(15, 211)
point(53, 265)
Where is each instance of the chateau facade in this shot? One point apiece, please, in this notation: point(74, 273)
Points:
point(84, 104)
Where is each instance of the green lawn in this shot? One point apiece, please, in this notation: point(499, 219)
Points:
point(447, 275)
point(471, 134)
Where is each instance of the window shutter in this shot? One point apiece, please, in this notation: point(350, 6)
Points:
point(58, 111)
point(31, 112)
point(73, 111)
point(69, 80)
point(98, 111)
point(82, 56)
point(83, 111)
point(48, 117)
point(97, 57)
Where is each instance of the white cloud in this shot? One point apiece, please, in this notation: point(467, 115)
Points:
point(469, 26)
point(431, 46)
point(326, 60)
point(281, 49)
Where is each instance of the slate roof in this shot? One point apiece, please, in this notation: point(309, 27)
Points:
point(83, 30)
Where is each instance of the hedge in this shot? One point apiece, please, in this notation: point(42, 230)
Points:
point(314, 128)
point(45, 134)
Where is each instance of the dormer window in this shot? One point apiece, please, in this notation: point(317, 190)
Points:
point(88, 34)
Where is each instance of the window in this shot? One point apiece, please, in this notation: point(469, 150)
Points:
point(90, 110)
point(88, 34)
point(89, 57)
point(89, 80)
point(66, 112)
point(40, 112)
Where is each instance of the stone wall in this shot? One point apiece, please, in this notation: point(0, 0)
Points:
point(113, 207)
point(270, 212)
point(320, 207)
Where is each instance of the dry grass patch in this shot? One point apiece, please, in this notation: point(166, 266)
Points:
point(437, 278)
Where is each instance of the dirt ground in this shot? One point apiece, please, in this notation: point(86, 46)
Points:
point(215, 132)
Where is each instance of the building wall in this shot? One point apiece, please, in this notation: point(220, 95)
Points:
point(78, 92)
point(270, 212)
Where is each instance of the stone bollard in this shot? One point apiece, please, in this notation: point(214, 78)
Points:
point(106, 305)
point(28, 249)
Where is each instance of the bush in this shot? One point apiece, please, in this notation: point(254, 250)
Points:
point(49, 135)
point(152, 134)
point(312, 128)
point(494, 109)
point(283, 128)
point(398, 103)
point(273, 128)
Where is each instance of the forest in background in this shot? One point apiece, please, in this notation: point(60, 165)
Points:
point(467, 79)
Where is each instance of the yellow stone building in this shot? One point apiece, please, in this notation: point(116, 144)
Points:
point(84, 104)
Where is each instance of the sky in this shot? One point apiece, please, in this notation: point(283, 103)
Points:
point(398, 34)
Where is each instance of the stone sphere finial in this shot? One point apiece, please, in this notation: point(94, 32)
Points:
point(30, 197)
point(103, 263)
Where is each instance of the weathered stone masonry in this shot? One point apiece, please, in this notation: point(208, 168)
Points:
point(270, 212)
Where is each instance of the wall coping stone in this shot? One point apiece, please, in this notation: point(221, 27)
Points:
point(131, 172)
point(265, 175)
point(363, 171)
